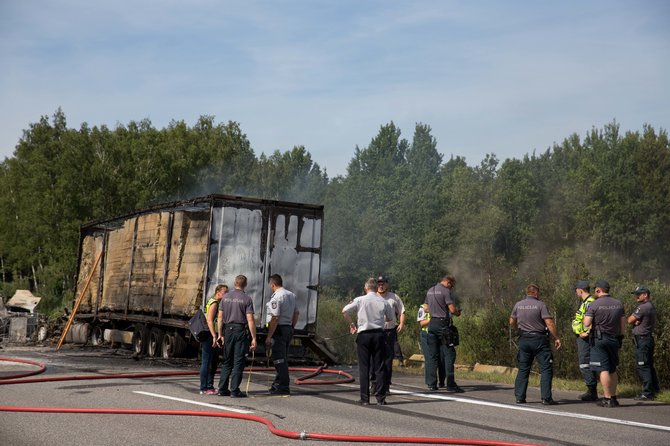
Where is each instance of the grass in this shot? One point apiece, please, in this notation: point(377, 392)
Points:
point(623, 390)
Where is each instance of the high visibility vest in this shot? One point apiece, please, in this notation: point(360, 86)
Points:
point(578, 321)
point(207, 305)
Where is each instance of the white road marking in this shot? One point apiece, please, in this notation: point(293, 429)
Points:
point(215, 406)
point(531, 409)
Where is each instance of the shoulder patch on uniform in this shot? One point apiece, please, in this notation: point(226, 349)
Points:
point(274, 305)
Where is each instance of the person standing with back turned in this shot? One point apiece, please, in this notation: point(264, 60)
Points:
point(606, 319)
point(282, 317)
point(236, 313)
point(372, 310)
point(531, 316)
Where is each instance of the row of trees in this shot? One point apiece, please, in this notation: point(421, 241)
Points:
point(588, 207)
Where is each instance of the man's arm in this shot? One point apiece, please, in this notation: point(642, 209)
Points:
point(453, 310)
point(296, 315)
point(632, 320)
point(252, 329)
point(512, 323)
point(272, 326)
point(401, 325)
point(552, 329)
point(623, 325)
point(219, 321)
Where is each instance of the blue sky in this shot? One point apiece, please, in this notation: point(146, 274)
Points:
point(488, 77)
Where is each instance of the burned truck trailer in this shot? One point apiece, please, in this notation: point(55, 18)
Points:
point(148, 272)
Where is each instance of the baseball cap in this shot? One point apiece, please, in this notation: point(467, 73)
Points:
point(582, 285)
point(602, 284)
point(382, 279)
point(641, 289)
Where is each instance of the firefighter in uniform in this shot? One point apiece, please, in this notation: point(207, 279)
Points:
point(643, 320)
point(531, 316)
point(606, 322)
point(282, 316)
point(582, 290)
point(372, 311)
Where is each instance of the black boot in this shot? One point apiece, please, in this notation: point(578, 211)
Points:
point(590, 395)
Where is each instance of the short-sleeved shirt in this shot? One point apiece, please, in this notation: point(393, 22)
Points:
point(438, 299)
point(646, 314)
point(235, 306)
point(398, 309)
point(606, 312)
point(373, 310)
point(282, 305)
point(530, 314)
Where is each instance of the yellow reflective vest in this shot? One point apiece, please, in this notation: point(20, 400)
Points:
point(578, 321)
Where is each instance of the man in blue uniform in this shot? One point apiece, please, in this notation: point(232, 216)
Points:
point(643, 321)
point(534, 322)
point(606, 322)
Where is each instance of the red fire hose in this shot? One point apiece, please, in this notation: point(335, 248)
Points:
point(12, 379)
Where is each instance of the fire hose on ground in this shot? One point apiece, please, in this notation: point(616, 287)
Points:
point(22, 378)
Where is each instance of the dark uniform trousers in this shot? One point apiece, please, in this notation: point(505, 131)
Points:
point(282, 339)
point(235, 346)
point(441, 371)
point(644, 357)
point(438, 351)
point(389, 354)
point(533, 346)
point(371, 351)
point(584, 354)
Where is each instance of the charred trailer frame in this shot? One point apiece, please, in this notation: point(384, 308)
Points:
point(159, 265)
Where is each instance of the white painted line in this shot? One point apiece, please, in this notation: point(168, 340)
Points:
point(532, 409)
point(215, 406)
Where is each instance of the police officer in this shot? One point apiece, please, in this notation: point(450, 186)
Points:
point(372, 310)
point(236, 313)
point(606, 322)
point(533, 320)
point(391, 328)
point(442, 308)
point(282, 316)
point(643, 321)
point(582, 290)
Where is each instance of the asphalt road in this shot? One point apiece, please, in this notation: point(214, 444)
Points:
point(485, 412)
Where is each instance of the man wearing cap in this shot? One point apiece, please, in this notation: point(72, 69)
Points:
point(582, 289)
point(391, 328)
point(373, 311)
point(442, 308)
point(605, 318)
point(534, 322)
point(643, 321)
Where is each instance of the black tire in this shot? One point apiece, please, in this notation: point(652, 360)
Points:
point(140, 339)
point(173, 345)
point(154, 348)
point(97, 335)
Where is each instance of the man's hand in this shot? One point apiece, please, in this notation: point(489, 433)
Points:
point(253, 344)
point(557, 343)
point(268, 343)
point(352, 328)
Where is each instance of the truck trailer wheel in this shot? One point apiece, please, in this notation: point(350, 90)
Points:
point(173, 345)
point(156, 336)
point(97, 335)
point(140, 339)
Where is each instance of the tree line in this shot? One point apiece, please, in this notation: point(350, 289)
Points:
point(592, 206)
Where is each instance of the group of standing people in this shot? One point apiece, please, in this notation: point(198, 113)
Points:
point(233, 334)
point(380, 317)
point(599, 326)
